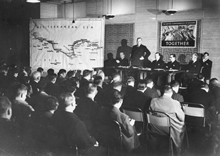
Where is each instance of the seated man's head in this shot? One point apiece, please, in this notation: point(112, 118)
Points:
point(167, 90)
point(172, 57)
point(130, 81)
point(5, 108)
point(21, 92)
point(194, 57)
point(141, 86)
point(50, 71)
point(67, 102)
point(175, 85)
point(206, 56)
point(53, 78)
point(91, 90)
point(157, 56)
point(110, 56)
point(150, 83)
point(51, 104)
point(116, 78)
point(36, 76)
point(87, 74)
point(116, 99)
point(62, 73)
point(98, 81)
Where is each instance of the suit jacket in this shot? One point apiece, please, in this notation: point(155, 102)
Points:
point(137, 53)
point(158, 64)
point(130, 138)
point(173, 65)
point(202, 97)
point(177, 96)
point(194, 67)
point(206, 68)
point(73, 130)
point(123, 62)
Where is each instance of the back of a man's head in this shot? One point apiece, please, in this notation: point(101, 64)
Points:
point(91, 89)
point(36, 76)
point(5, 107)
point(115, 97)
point(174, 84)
point(167, 90)
point(65, 100)
point(141, 85)
point(50, 71)
point(20, 90)
point(97, 80)
point(51, 103)
point(149, 83)
point(130, 81)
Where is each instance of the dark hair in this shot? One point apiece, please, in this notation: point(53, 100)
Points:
point(148, 80)
point(130, 79)
point(174, 55)
point(86, 73)
point(63, 98)
point(40, 69)
point(70, 74)
point(5, 104)
point(90, 88)
point(115, 97)
point(50, 71)
point(206, 53)
point(97, 80)
point(51, 103)
point(174, 83)
point(20, 88)
point(167, 89)
point(71, 85)
point(61, 71)
point(141, 84)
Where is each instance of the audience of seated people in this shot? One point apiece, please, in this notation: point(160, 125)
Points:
point(93, 96)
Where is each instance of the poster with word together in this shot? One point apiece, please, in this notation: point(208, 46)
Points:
point(63, 44)
point(179, 34)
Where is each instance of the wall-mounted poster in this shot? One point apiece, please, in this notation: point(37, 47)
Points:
point(60, 43)
point(179, 34)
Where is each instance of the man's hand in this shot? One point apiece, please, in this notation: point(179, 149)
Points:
point(141, 58)
point(132, 122)
point(96, 144)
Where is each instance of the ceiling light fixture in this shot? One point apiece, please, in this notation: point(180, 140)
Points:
point(172, 10)
point(33, 1)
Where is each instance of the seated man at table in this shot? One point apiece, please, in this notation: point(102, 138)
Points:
point(157, 64)
point(193, 69)
point(173, 108)
point(172, 65)
point(130, 139)
point(122, 61)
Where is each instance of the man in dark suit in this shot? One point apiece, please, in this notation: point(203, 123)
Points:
point(87, 109)
point(206, 66)
point(193, 69)
point(158, 65)
point(172, 65)
point(215, 91)
point(122, 61)
point(176, 96)
point(139, 53)
point(202, 96)
point(112, 112)
point(73, 129)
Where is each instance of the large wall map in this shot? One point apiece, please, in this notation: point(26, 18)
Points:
point(62, 44)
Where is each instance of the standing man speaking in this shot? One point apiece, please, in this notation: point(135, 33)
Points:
point(139, 54)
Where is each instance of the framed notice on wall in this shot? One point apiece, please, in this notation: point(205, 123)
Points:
point(182, 34)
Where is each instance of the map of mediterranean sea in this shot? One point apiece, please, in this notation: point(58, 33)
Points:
point(63, 44)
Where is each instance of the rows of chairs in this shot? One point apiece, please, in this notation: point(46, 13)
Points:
point(109, 133)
